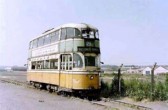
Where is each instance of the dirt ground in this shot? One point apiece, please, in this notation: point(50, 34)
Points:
point(14, 97)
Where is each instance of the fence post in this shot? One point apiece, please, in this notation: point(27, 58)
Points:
point(119, 79)
point(152, 81)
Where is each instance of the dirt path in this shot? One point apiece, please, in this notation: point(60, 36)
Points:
point(14, 97)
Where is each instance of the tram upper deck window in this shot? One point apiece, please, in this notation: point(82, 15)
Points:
point(35, 43)
point(63, 34)
point(31, 45)
point(88, 34)
point(47, 39)
point(40, 41)
point(77, 33)
point(70, 32)
point(97, 34)
point(54, 36)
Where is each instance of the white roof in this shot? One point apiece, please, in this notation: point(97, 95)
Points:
point(73, 25)
point(147, 68)
point(161, 68)
point(78, 25)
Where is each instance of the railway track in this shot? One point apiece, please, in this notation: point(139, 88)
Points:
point(103, 101)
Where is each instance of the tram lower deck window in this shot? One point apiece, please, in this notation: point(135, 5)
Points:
point(77, 61)
point(54, 64)
point(89, 61)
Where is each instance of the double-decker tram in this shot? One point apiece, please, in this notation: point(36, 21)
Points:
point(66, 58)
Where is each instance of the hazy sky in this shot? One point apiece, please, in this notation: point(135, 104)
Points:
point(131, 31)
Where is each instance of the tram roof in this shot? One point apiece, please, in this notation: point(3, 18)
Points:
point(78, 25)
point(73, 25)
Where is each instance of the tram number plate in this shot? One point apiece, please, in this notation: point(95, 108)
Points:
point(88, 49)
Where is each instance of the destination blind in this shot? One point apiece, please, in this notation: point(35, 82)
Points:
point(88, 49)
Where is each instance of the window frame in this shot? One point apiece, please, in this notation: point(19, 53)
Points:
point(81, 65)
point(65, 37)
point(41, 43)
point(31, 45)
point(54, 64)
point(87, 63)
point(35, 43)
point(56, 36)
point(49, 38)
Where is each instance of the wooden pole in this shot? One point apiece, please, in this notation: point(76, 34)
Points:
point(119, 78)
point(152, 81)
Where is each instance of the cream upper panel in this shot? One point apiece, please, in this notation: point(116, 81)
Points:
point(45, 50)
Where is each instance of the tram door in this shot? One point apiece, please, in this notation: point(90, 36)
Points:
point(66, 66)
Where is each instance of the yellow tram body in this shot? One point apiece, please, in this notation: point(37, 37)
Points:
point(66, 80)
point(65, 58)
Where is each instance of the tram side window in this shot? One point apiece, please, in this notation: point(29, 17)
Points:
point(39, 65)
point(70, 32)
point(89, 61)
point(54, 64)
point(66, 62)
point(35, 43)
point(47, 39)
point(97, 61)
point(46, 64)
point(69, 62)
point(31, 45)
point(40, 41)
point(63, 34)
point(33, 65)
point(54, 36)
point(77, 33)
point(62, 62)
point(78, 63)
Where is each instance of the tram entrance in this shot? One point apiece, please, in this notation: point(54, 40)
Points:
point(65, 67)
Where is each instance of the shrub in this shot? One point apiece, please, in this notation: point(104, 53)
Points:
point(137, 89)
point(159, 92)
point(115, 85)
point(105, 91)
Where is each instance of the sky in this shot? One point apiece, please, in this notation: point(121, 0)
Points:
point(131, 31)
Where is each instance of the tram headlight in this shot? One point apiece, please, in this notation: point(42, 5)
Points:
point(91, 77)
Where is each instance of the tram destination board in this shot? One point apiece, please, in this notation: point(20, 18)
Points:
point(88, 49)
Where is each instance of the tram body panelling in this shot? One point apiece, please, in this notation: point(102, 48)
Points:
point(66, 80)
point(74, 79)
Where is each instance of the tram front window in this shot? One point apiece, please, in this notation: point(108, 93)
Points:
point(88, 34)
point(90, 61)
point(97, 34)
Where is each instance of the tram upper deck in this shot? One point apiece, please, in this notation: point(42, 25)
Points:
point(77, 40)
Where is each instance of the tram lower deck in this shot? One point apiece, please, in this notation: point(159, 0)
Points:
point(70, 80)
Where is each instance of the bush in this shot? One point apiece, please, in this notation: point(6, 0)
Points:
point(105, 91)
point(159, 92)
point(136, 89)
point(115, 85)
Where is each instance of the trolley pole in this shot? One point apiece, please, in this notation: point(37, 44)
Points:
point(152, 80)
point(119, 79)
